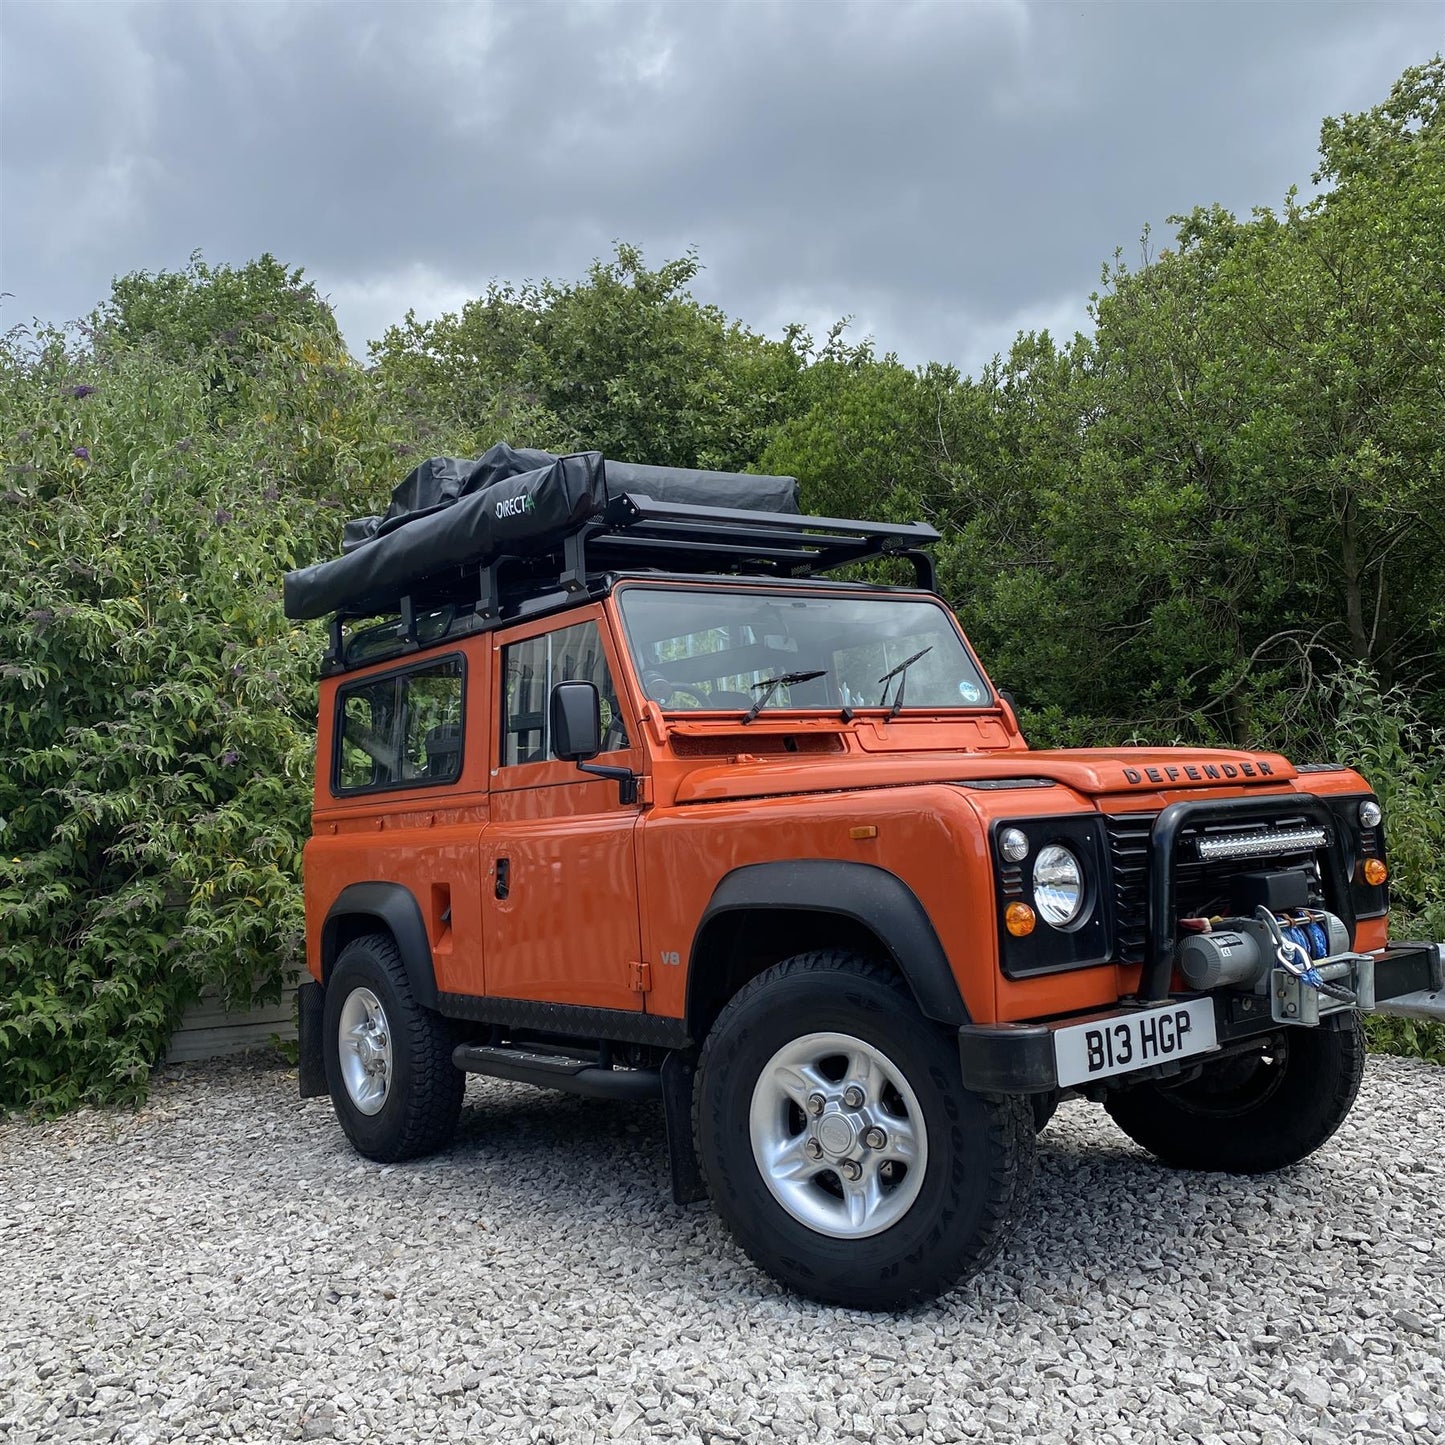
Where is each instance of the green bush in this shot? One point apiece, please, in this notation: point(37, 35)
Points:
point(156, 709)
point(1384, 736)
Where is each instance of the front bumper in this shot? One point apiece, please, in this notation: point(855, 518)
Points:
point(1020, 1058)
point(1410, 993)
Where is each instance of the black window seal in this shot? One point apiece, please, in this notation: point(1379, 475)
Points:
point(395, 674)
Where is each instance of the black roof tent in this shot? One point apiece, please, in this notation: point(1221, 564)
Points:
point(464, 534)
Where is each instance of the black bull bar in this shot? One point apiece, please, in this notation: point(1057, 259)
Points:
point(1161, 935)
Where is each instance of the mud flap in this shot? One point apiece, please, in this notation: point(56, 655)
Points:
point(310, 1066)
point(677, 1079)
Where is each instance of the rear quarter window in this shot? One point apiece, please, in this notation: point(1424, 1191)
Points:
point(401, 729)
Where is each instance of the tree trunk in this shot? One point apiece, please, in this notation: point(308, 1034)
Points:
point(1350, 566)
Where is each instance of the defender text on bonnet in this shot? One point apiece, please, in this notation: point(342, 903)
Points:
point(620, 792)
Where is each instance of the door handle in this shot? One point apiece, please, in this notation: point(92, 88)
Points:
point(504, 877)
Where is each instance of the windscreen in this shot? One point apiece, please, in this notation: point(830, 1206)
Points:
point(698, 650)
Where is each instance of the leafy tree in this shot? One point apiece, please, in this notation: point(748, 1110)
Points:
point(1216, 518)
point(224, 309)
point(1262, 460)
point(625, 362)
point(982, 460)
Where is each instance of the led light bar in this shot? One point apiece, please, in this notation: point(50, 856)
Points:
point(1257, 845)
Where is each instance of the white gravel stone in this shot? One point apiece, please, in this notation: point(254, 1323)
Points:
point(220, 1266)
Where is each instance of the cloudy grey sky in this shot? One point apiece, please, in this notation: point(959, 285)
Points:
point(947, 173)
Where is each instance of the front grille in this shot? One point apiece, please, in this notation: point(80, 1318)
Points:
point(1129, 863)
point(1201, 889)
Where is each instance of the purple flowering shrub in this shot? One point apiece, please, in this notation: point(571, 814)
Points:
point(157, 711)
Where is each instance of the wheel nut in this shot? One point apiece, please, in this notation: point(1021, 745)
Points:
point(813, 1149)
point(816, 1103)
point(851, 1169)
point(875, 1138)
point(853, 1096)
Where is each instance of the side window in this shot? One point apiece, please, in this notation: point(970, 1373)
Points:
point(400, 730)
point(529, 670)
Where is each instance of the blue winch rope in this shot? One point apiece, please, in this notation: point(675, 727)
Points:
point(1299, 938)
point(1307, 939)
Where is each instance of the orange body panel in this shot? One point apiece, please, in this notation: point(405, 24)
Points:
point(596, 888)
point(568, 930)
point(927, 836)
point(426, 839)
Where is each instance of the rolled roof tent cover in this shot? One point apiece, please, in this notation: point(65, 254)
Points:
point(510, 502)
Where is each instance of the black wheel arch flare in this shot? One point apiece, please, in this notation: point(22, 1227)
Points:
point(862, 893)
point(393, 907)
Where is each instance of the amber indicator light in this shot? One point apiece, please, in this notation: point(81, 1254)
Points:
point(1019, 919)
point(861, 833)
point(1375, 872)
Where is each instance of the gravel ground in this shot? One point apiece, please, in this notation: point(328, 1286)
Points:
point(220, 1266)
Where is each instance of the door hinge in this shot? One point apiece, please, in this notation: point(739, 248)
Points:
point(641, 977)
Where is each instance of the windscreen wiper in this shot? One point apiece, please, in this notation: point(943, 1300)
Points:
point(769, 685)
point(901, 673)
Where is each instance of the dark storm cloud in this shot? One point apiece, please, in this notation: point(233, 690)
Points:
point(947, 173)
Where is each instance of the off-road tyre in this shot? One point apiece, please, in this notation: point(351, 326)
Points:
point(424, 1101)
point(1251, 1114)
point(981, 1150)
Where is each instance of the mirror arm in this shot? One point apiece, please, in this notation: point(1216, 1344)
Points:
point(626, 779)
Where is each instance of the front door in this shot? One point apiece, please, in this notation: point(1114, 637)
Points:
point(559, 862)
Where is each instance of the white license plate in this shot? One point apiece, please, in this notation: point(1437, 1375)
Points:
point(1126, 1042)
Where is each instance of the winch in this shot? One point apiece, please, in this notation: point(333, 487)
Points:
point(1298, 954)
point(1239, 952)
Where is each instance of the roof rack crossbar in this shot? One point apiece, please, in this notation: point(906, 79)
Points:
point(606, 542)
point(751, 538)
point(638, 530)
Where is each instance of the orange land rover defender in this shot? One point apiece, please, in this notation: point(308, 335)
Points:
point(643, 803)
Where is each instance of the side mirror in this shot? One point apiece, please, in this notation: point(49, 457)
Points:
point(576, 721)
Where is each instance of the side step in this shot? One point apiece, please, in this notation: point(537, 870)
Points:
point(557, 1071)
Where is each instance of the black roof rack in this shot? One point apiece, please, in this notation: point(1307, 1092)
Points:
point(635, 533)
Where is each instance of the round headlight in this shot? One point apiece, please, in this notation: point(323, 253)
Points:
point(1058, 885)
point(1013, 843)
point(1371, 813)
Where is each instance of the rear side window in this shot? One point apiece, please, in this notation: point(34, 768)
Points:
point(400, 730)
